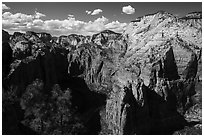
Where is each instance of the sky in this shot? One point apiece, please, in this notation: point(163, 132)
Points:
point(86, 18)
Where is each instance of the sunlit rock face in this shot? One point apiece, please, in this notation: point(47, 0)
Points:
point(105, 37)
point(165, 51)
point(152, 35)
point(72, 40)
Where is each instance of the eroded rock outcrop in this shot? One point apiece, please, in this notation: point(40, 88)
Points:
point(104, 37)
point(44, 37)
point(73, 40)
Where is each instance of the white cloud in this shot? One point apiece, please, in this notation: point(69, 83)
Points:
point(17, 18)
point(97, 25)
point(4, 7)
point(128, 9)
point(23, 22)
point(20, 17)
point(6, 15)
point(52, 24)
point(88, 12)
point(38, 22)
point(101, 20)
point(103, 23)
point(96, 11)
point(70, 16)
point(39, 15)
point(116, 26)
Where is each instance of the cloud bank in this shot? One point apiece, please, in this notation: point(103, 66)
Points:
point(13, 22)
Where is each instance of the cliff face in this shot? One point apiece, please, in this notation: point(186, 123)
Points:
point(121, 83)
point(6, 54)
point(163, 51)
point(5, 36)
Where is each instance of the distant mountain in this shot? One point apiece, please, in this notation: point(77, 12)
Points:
point(104, 36)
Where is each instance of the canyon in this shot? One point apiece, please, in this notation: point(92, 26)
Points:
point(143, 81)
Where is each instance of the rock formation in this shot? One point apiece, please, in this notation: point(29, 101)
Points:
point(73, 40)
point(104, 37)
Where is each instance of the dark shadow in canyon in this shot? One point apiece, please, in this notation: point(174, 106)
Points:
point(88, 104)
point(159, 117)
